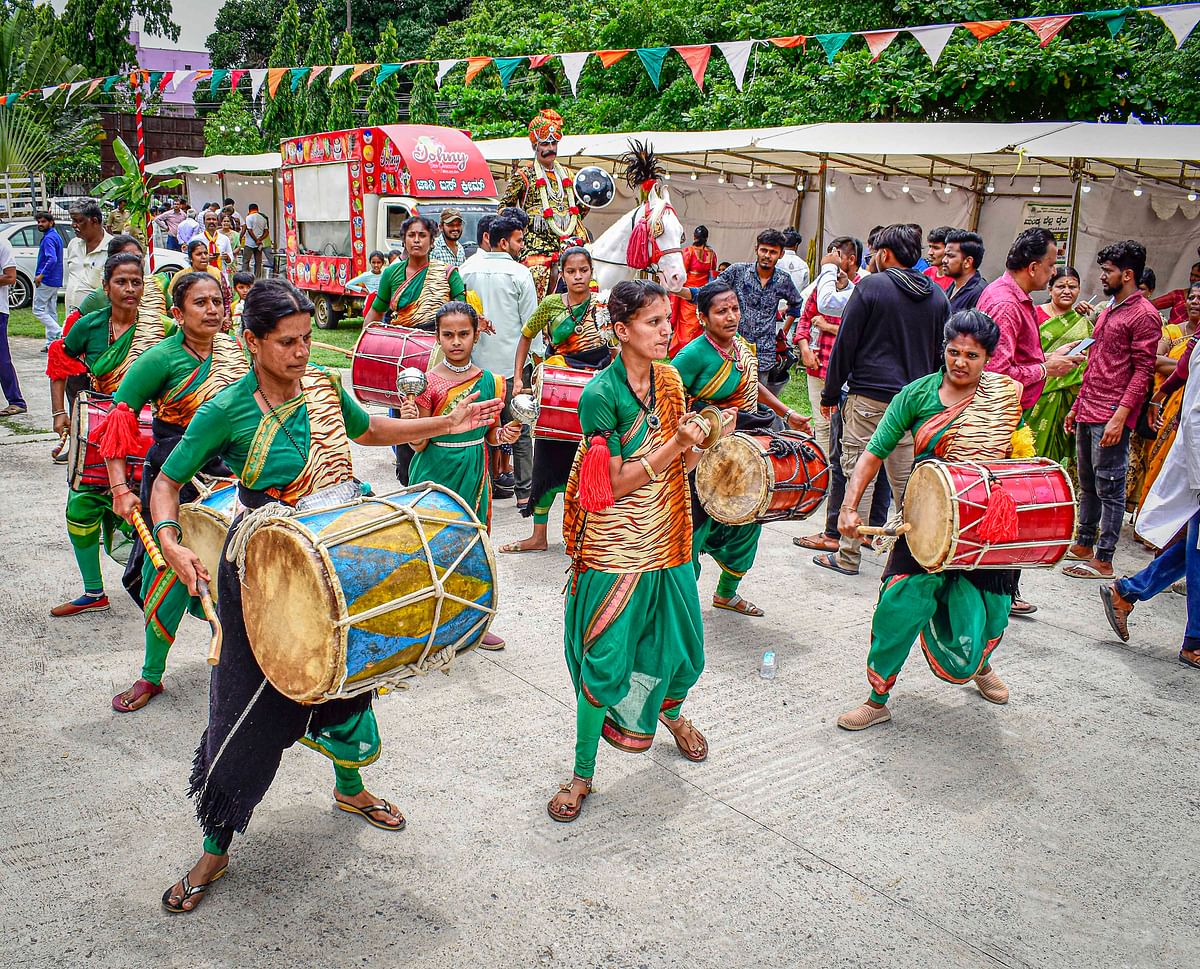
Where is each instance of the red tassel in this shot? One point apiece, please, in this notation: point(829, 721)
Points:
point(119, 433)
point(60, 365)
point(999, 522)
point(637, 250)
point(595, 477)
point(72, 318)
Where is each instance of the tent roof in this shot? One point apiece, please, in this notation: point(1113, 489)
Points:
point(268, 161)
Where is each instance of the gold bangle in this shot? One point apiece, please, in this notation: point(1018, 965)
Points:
point(649, 469)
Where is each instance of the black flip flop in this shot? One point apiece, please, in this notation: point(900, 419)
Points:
point(190, 891)
point(829, 561)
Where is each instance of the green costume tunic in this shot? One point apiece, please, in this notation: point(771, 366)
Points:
point(957, 616)
point(458, 461)
point(299, 449)
point(633, 634)
point(712, 378)
point(178, 385)
point(416, 303)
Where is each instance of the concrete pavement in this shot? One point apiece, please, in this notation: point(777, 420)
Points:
point(1055, 832)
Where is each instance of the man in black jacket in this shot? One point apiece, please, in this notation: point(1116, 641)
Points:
point(891, 334)
point(961, 262)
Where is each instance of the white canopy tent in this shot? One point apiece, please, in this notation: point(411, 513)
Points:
point(243, 178)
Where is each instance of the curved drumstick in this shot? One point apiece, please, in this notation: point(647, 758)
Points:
point(147, 537)
point(214, 624)
point(883, 530)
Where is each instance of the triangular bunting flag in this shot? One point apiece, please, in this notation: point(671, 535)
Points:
point(48, 92)
point(443, 70)
point(218, 77)
point(832, 43)
point(507, 66)
point(179, 78)
point(338, 70)
point(203, 76)
point(360, 70)
point(933, 40)
point(274, 76)
point(1114, 20)
point(167, 78)
point(385, 71)
point(878, 41)
point(474, 66)
point(652, 60)
point(317, 72)
point(796, 40)
point(697, 56)
point(110, 81)
point(1180, 20)
point(609, 57)
point(737, 56)
point(298, 76)
point(95, 84)
point(538, 60)
point(155, 79)
point(573, 67)
point(1047, 28)
point(73, 88)
point(983, 29)
point(235, 78)
point(257, 76)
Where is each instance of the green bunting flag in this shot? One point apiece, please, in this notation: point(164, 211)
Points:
point(298, 74)
point(507, 66)
point(832, 43)
point(652, 60)
point(386, 71)
point(1114, 20)
point(218, 78)
point(155, 77)
point(110, 81)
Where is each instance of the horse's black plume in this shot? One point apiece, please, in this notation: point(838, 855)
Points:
point(641, 164)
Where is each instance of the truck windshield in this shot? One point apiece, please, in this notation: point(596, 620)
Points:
point(472, 212)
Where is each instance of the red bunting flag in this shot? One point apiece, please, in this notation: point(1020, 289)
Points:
point(697, 59)
point(983, 29)
point(609, 57)
point(474, 66)
point(796, 40)
point(878, 41)
point(1047, 28)
point(166, 79)
point(234, 78)
point(538, 60)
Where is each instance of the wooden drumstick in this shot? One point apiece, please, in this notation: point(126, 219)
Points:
point(888, 532)
point(147, 537)
point(329, 346)
point(214, 624)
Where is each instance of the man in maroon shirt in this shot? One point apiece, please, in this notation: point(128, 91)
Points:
point(1006, 300)
point(1120, 368)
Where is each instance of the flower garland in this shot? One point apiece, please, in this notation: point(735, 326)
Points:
point(542, 184)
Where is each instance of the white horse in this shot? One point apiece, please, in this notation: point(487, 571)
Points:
point(663, 233)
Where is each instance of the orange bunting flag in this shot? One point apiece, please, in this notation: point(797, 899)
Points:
point(878, 41)
point(274, 76)
point(796, 40)
point(1047, 28)
point(360, 70)
point(609, 57)
point(95, 84)
point(474, 66)
point(697, 59)
point(983, 29)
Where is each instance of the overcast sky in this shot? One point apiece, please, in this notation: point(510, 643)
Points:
point(195, 24)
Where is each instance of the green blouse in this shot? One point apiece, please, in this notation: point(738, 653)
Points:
point(227, 425)
point(909, 409)
point(393, 277)
point(161, 369)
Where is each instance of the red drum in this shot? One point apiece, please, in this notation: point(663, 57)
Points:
point(945, 501)
point(85, 467)
point(381, 353)
point(747, 478)
point(558, 390)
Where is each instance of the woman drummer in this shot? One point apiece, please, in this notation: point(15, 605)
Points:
point(459, 461)
point(634, 640)
point(720, 368)
point(285, 430)
point(575, 329)
point(178, 374)
point(958, 413)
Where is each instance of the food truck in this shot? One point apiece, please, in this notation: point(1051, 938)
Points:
point(346, 194)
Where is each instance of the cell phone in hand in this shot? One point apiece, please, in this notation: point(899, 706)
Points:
point(1081, 348)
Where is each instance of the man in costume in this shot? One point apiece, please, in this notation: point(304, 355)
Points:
point(545, 190)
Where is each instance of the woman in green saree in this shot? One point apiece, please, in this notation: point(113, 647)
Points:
point(1063, 320)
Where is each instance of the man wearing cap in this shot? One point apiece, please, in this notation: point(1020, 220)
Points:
point(447, 248)
point(545, 190)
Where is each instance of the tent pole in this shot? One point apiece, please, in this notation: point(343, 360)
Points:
point(820, 235)
point(798, 207)
point(1075, 206)
point(976, 202)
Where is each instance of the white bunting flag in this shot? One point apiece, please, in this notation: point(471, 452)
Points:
point(443, 70)
point(933, 39)
point(48, 92)
point(179, 78)
point(73, 88)
point(737, 56)
point(337, 71)
point(573, 66)
point(1179, 20)
point(257, 76)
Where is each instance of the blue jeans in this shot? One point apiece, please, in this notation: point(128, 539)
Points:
point(45, 309)
point(1102, 472)
point(1180, 559)
point(8, 373)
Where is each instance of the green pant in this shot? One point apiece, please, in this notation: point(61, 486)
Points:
point(733, 548)
point(90, 520)
point(166, 601)
point(541, 509)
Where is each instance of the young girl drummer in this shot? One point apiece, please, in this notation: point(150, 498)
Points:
point(459, 461)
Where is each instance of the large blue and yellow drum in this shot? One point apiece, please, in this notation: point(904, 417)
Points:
point(350, 598)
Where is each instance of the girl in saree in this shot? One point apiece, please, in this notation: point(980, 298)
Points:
point(959, 413)
point(633, 635)
point(1064, 320)
point(719, 367)
point(459, 461)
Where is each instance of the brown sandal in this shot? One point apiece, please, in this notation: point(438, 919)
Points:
point(683, 722)
point(564, 813)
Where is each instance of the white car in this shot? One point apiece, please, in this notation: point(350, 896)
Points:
point(25, 238)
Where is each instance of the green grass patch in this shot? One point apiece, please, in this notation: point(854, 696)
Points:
point(24, 323)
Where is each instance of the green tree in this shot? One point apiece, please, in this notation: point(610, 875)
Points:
point(232, 129)
point(320, 51)
point(95, 33)
point(345, 92)
point(382, 104)
point(282, 116)
point(422, 108)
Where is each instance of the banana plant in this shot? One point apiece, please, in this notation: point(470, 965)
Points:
point(129, 187)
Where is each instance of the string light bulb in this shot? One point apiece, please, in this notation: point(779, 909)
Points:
point(990, 187)
point(720, 178)
point(1191, 195)
point(905, 187)
point(947, 189)
point(869, 188)
point(1037, 185)
point(1137, 189)
point(1086, 185)
point(768, 183)
point(694, 176)
point(832, 186)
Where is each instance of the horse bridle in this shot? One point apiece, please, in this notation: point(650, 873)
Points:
point(653, 251)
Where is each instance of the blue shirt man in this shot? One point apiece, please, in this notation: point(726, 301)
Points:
point(48, 278)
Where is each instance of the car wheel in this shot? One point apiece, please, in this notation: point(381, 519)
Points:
point(20, 293)
point(324, 314)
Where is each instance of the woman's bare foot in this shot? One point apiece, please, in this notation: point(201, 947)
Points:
point(568, 802)
point(183, 897)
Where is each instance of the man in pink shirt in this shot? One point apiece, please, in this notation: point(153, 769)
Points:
point(1120, 368)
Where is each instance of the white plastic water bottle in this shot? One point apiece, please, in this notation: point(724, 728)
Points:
point(769, 666)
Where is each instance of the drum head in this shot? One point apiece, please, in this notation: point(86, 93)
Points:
point(929, 507)
point(733, 480)
point(204, 531)
point(291, 600)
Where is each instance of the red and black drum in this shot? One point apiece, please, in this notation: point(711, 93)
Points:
point(746, 478)
point(557, 390)
point(381, 353)
point(85, 466)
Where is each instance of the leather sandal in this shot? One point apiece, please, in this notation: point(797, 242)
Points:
point(566, 813)
point(1116, 609)
point(683, 722)
point(382, 807)
point(136, 697)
